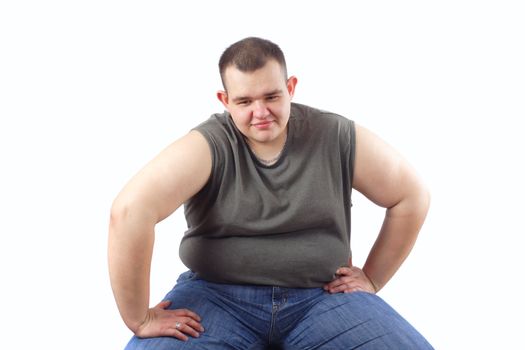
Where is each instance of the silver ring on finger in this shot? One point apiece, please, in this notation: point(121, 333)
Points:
point(178, 325)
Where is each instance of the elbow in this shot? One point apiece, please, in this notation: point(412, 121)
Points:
point(414, 202)
point(118, 214)
point(425, 198)
point(129, 216)
point(420, 204)
point(119, 211)
point(118, 220)
point(419, 200)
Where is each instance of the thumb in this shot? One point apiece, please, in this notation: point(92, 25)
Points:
point(163, 304)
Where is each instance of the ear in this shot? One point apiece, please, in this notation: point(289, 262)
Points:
point(290, 85)
point(223, 97)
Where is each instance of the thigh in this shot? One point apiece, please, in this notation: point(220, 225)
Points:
point(353, 321)
point(223, 328)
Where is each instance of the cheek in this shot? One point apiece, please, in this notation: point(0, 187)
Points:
point(241, 119)
point(282, 112)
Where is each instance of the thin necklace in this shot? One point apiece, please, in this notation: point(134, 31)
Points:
point(274, 159)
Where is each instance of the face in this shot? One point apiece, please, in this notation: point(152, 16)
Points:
point(259, 102)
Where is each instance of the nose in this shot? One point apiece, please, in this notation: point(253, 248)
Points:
point(260, 110)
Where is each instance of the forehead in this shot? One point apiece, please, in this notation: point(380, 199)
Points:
point(268, 78)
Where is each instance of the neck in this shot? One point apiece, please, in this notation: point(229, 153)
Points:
point(268, 153)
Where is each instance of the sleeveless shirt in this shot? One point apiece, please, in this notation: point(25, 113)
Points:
point(287, 224)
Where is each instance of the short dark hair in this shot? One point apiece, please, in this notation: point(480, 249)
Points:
point(250, 54)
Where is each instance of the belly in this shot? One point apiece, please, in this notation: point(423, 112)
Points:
point(303, 260)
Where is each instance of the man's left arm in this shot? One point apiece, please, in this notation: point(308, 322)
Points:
point(382, 175)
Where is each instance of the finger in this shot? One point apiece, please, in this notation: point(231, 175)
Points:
point(186, 329)
point(349, 271)
point(335, 287)
point(190, 322)
point(174, 332)
point(341, 280)
point(195, 325)
point(163, 304)
point(353, 290)
point(338, 289)
point(188, 313)
point(344, 271)
point(356, 273)
point(359, 286)
point(352, 286)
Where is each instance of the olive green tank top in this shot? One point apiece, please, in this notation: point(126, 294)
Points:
point(287, 224)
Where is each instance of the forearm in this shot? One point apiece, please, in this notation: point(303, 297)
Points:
point(131, 237)
point(396, 238)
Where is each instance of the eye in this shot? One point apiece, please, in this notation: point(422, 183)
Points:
point(272, 97)
point(243, 102)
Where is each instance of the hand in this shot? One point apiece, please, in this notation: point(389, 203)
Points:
point(350, 279)
point(160, 322)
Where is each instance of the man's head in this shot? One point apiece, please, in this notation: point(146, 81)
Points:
point(250, 54)
point(257, 92)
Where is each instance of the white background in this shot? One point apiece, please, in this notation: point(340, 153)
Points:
point(90, 91)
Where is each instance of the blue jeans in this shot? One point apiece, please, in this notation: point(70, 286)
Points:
point(256, 317)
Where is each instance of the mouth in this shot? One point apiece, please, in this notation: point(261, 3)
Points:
point(262, 125)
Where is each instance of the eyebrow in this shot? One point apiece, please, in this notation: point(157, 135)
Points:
point(271, 93)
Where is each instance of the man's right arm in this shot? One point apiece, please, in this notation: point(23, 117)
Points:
point(162, 186)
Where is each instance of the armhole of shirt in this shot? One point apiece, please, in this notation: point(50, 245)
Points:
point(352, 152)
point(212, 144)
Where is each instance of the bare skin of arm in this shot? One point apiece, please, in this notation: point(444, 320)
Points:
point(162, 186)
point(385, 177)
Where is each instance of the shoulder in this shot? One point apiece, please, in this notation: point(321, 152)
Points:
point(314, 121)
point(312, 115)
point(222, 137)
point(216, 123)
point(219, 130)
